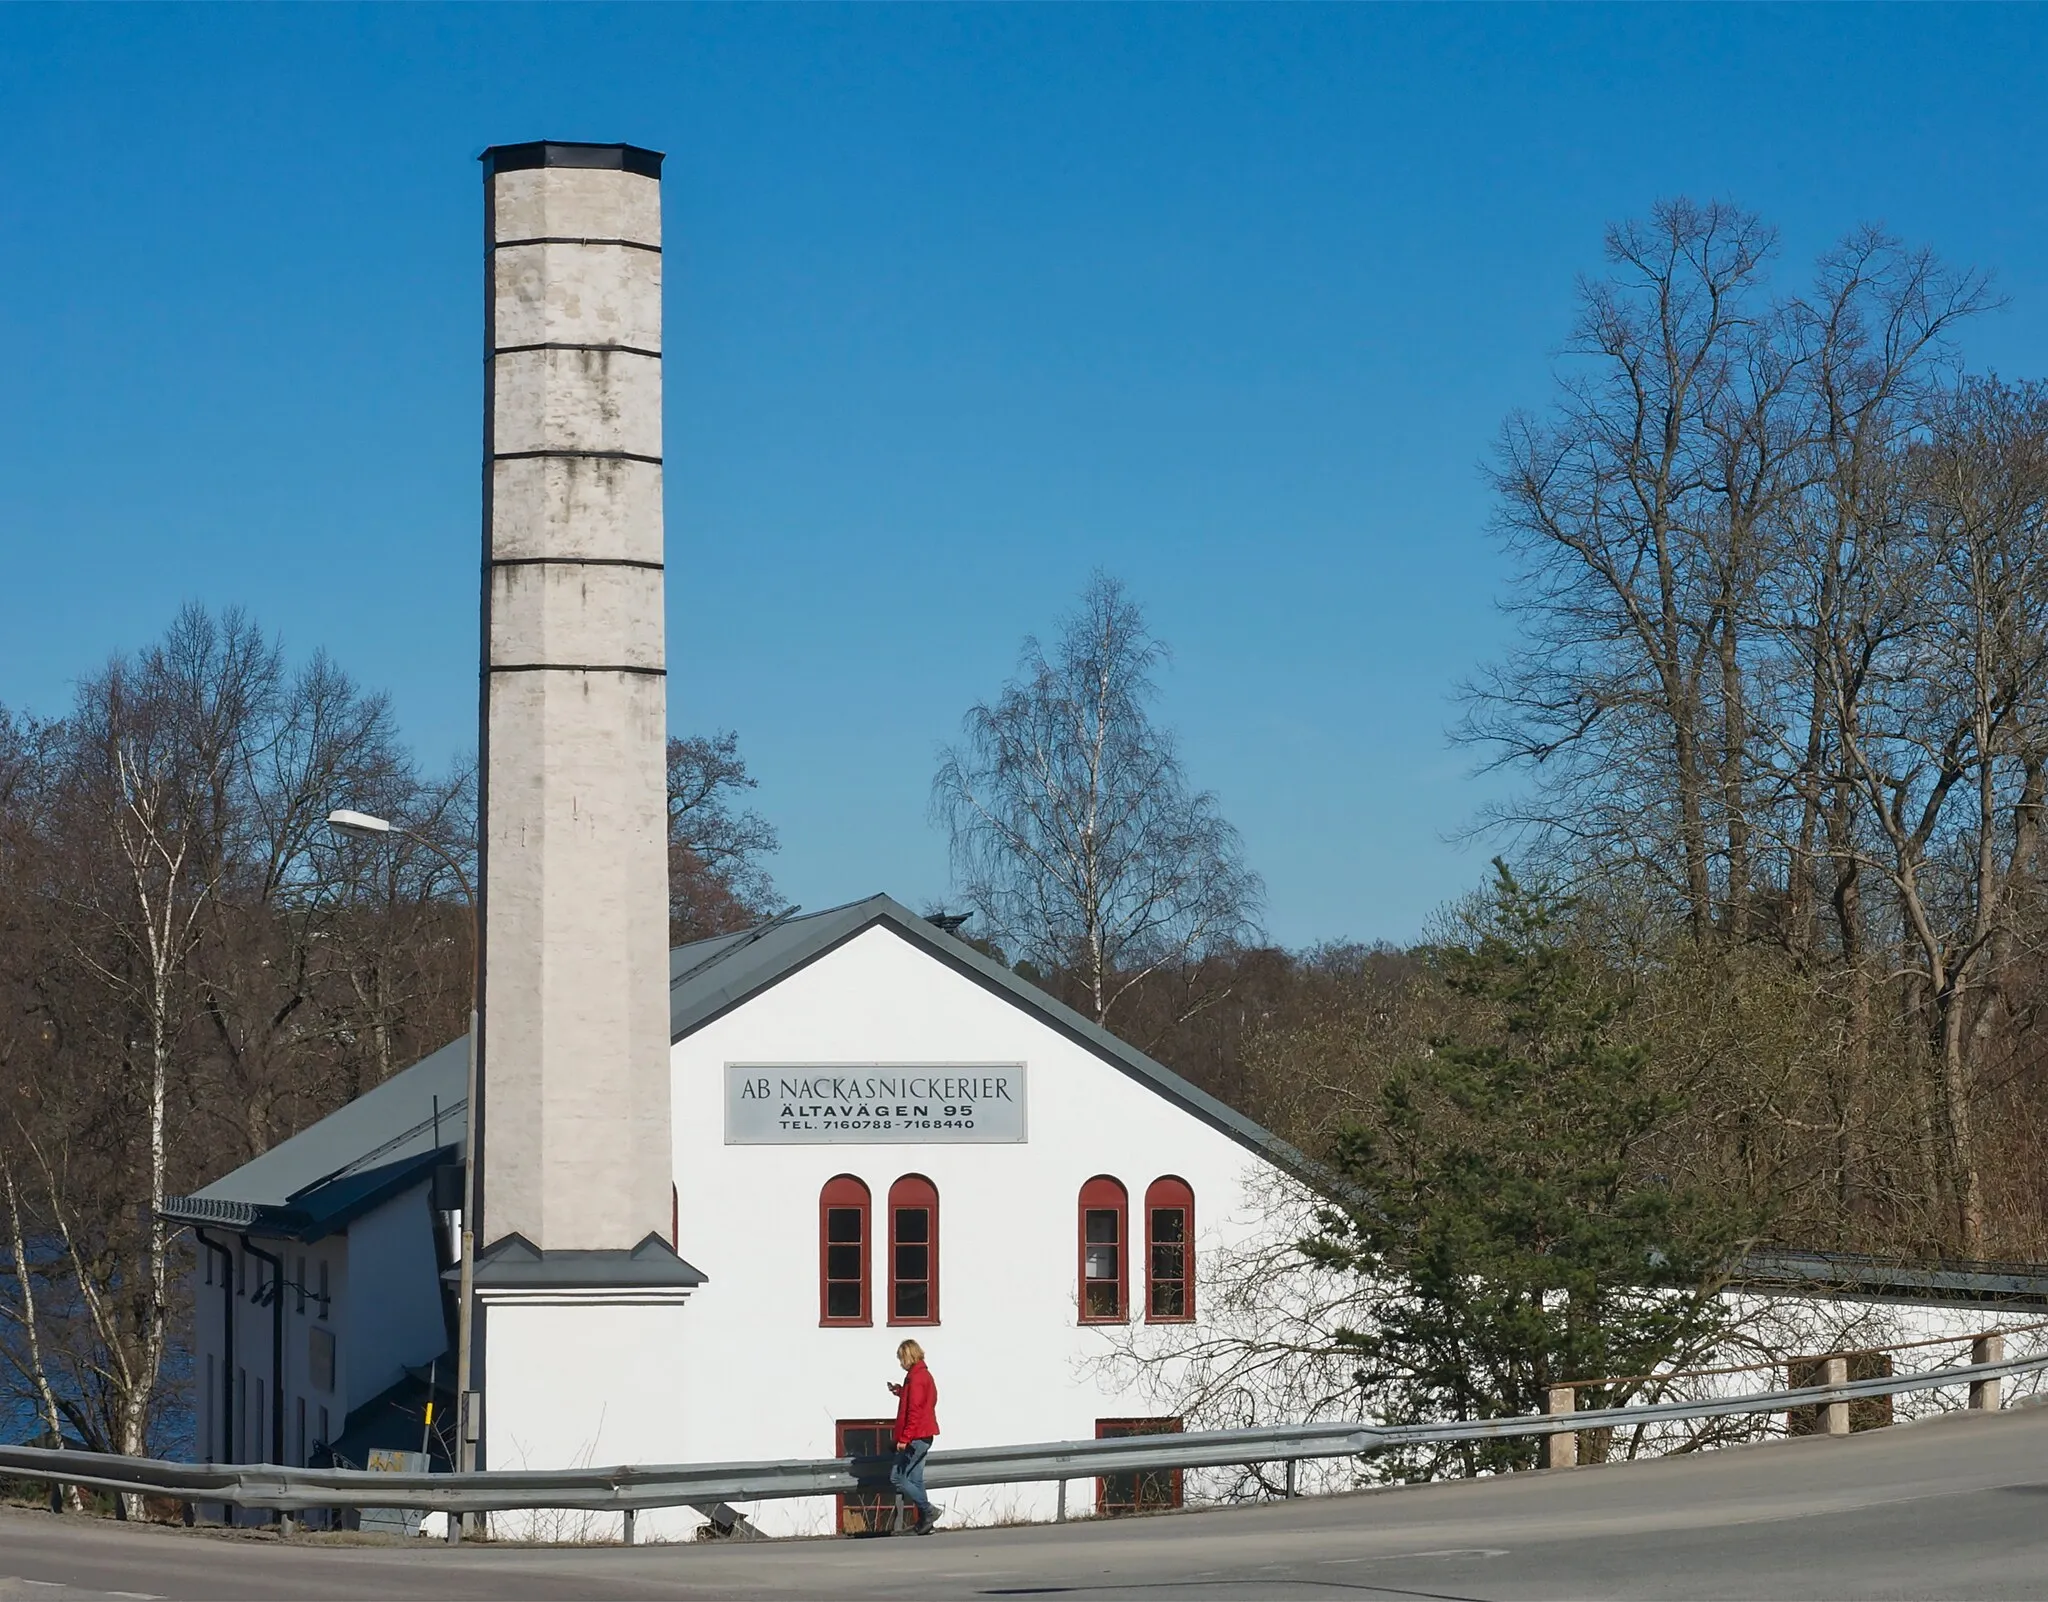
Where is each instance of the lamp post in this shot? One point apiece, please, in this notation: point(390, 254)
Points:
point(366, 826)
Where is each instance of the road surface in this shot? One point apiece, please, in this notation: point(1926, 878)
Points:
point(1956, 1507)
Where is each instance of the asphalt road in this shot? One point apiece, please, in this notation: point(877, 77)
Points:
point(1957, 1507)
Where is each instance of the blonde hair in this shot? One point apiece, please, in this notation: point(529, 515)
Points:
point(914, 1351)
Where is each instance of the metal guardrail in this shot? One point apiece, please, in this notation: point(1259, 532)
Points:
point(633, 1487)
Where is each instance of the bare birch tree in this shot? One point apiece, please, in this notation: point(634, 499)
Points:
point(1076, 838)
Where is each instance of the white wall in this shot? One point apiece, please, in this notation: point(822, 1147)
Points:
point(586, 1385)
point(760, 1379)
point(391, 1317)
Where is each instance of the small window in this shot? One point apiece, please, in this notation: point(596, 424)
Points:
point(1169, 1252)
point(325, 1441)
point(300, 1421)
point(1105, 1251)
point(1148, 1491)
point(320, 1358)
point(299, 1289)
point(843, 1252)
point(323, 1288)
point(913, 1251)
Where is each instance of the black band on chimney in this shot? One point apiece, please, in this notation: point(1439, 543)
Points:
point(570, 153)
point(567, 239)
point(574, 561)
point(594, 456)
point(579, 667)
point(567, 344)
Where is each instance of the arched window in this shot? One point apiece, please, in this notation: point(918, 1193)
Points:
point(913, 1251)
point(1169, 1252)
point(1105, 1251)
point(843, 1252)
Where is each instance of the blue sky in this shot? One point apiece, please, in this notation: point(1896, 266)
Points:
point(962, 304)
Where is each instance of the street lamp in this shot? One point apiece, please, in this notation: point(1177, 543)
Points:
point(363, 826)
point(367, 826)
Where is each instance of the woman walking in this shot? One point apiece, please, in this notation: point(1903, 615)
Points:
point(917, 1421)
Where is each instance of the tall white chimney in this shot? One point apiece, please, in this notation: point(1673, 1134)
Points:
point(576, 1152)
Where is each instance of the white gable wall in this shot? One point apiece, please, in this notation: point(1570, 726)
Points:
point(762, 1379)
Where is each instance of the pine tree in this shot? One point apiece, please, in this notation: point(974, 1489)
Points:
point(1507, 1209)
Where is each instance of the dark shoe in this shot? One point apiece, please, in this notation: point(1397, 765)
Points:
point(927, 1520)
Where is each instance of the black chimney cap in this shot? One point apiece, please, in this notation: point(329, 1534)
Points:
point(570, 153)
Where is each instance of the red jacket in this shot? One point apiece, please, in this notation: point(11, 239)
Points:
point(917, 1406)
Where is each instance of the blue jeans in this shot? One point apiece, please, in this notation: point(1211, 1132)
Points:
point(907, 1475)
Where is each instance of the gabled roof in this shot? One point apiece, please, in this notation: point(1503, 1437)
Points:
point(354, 1159)
point(418, 1111)
point(711, 977)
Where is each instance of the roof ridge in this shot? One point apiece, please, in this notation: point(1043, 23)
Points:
point(734, 943)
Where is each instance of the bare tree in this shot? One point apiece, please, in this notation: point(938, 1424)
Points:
point(1632, 511)
point(717, 881)
point(1076, 838)
point(1940, 697)
point(183, 955)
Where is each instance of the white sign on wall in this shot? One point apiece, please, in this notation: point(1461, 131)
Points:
point(819, 1104)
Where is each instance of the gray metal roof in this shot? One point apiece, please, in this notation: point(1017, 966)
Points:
point(1783, 1271)
point(411, 1114)
point(515, 1263)
point(711, 977)
point(707, 979)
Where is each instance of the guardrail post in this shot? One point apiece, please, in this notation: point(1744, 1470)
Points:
point(1834, 1416)
point(1290, 1477)
point(1984, 1393)
point(627, 1534)
point(1060, 1517)
point(1561, 1450)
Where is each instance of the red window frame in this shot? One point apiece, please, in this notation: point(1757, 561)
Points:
point(844, 1193)
point(1167, 1195)
point(912, 1193)
point(1103, 1194)
point(1141, 1491)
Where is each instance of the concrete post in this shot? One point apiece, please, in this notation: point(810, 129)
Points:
point(576, 1152)
point(1834, 1416)
point(627, 1531)
point(1562, 1449)
point(1984, 1393)
point(1060, 1514)
point(1291, 1465)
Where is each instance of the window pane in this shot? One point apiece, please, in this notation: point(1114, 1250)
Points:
point(842, 1300)
point(842, 1223)
point(911, 1261)
point(1169, 1299)
point(1169, 1223)
point(913, 1299)
point(913, 1223)
point(1103, 1300)
point(1102, 1225)
point(1166, 1261)
point(842, 1262)
point(1100, 1262)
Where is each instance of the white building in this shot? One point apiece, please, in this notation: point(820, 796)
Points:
point(878, 1132)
